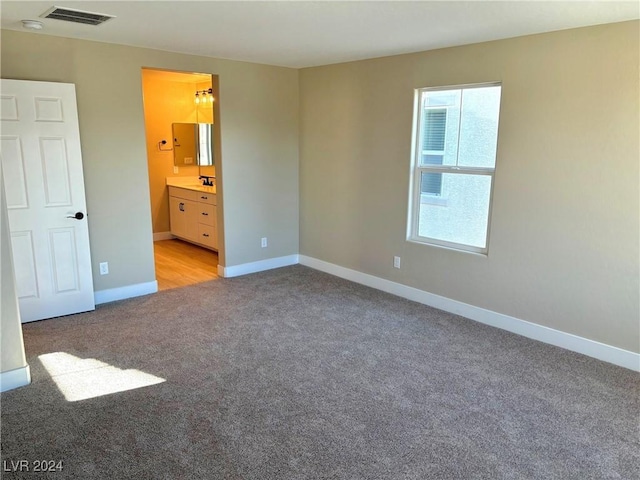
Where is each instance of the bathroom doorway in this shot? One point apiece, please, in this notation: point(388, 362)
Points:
point(186, 248)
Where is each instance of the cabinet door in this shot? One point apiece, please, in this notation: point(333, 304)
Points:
point(183, 217)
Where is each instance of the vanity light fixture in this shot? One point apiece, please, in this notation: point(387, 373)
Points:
point(204, 96)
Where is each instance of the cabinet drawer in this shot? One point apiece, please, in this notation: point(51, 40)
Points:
point(205, 197)
point(183, 193)
point(207, 235)
point(207, 214)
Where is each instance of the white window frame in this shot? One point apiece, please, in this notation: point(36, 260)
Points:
point(417, 169)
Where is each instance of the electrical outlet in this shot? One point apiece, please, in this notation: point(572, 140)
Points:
point(104, 268)
point(263, 242)
point(396, 262)
point(176, 170)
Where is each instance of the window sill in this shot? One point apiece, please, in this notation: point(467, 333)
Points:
point(449, 246)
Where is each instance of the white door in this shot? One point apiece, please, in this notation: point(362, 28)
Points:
point(42, 167)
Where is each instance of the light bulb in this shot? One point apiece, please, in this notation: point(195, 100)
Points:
point(197, 99)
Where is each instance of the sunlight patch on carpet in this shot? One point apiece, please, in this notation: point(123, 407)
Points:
point(83, 378)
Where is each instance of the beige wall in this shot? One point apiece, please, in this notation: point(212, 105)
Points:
point(564, 239)
point(12, 354)
point(259, 112)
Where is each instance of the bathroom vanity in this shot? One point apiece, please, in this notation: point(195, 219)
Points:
point(192, 214)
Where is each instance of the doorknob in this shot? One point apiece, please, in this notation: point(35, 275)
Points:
point(77, 216)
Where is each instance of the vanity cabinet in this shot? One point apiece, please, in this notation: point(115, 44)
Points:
point(192, 215)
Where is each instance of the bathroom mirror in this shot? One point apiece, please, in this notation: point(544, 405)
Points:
point(192, 144)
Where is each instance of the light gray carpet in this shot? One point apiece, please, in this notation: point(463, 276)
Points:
point(295, 374)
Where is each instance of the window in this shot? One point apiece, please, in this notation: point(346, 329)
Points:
point(453, 166)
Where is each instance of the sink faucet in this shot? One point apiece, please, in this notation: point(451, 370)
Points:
point(207, 180)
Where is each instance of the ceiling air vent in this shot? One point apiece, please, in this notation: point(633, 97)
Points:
point(76, 16)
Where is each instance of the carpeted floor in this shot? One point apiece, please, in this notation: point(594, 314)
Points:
point(295, 374)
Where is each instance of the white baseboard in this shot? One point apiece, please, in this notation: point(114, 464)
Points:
point(18, 377)
point(162, 236)
point(120, 293)
point(591, 348)
point(259, 266)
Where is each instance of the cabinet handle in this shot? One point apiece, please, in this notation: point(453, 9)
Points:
point(181, 207)
point(204, 198)
point(205, 214)
point(205, 234)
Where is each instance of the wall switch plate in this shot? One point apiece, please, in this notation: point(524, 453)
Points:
point(188, 160)
point(104, 268)
point(396, 262)
point(263, 242)
point(176, 170)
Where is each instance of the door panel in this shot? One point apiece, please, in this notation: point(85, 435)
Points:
point(13, 167)
point(8, 107)
point(55, 169)
point(48, 109)
point(24, 264)
point(62, 245)
point(42, 167)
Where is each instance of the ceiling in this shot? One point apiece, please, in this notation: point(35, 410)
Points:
point(309, 33)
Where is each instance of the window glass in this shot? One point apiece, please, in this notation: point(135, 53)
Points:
point(465, 217)
point(431, 183)
point(479, 127)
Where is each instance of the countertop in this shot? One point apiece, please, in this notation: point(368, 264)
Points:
point(189, 183)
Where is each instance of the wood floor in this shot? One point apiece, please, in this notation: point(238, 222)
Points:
point(179, 264)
